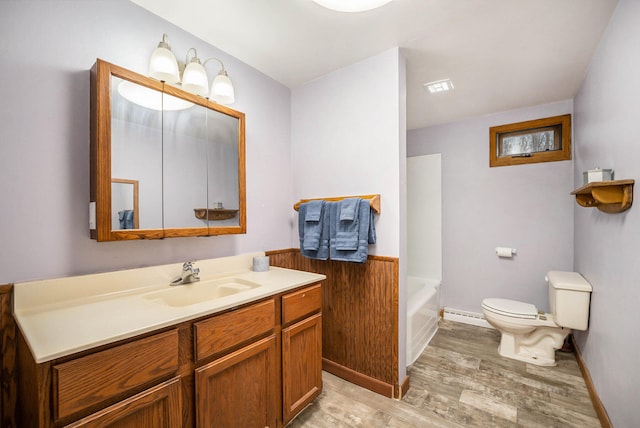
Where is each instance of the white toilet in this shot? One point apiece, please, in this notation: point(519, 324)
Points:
point(533, 336)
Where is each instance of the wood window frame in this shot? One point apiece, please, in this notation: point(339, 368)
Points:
point(562, 123)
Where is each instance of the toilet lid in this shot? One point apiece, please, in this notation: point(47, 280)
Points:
point(511, 308)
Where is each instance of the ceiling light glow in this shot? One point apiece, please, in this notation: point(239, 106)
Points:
point(439, 86)
point(351, 5)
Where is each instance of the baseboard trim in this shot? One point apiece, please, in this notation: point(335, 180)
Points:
point(595, 398)
point(403, 388)
point(359, 379)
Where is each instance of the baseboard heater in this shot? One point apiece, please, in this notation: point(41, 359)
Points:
point(465, 317)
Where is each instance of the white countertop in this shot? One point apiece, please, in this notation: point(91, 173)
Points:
point(63, 316)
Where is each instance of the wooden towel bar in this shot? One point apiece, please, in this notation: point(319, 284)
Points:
point(374, 201)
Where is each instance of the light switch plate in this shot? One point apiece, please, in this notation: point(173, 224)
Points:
point(92, 215)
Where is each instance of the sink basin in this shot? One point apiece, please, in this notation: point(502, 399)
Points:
point(190, 294)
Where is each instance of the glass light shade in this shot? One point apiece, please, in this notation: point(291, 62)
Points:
point(222, 90)
point(351, 5)
point(164, 66)
point(194, 79)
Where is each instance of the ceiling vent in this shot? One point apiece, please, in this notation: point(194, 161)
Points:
point(439, 86)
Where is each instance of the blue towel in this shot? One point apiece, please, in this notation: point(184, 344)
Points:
point(314, 234)
point(341, 233)
point(126, 219)
point(314, 210)
point(371, 239)
point(349, 209)
point(122, 218)
point(312, 226)
point(347, 225)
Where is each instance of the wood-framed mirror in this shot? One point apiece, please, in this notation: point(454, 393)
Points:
point(185, 153)
point(125, 210)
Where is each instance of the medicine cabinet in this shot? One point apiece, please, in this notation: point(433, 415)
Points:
point(174, 154)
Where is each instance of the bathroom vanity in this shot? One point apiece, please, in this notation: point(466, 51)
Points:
point(135, 352)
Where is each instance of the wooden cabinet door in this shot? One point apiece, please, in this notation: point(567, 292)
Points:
point(160, 406)
point(301, 364)
point(239, 389)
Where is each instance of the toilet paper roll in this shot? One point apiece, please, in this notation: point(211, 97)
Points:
point(505, 252)
point(261, 264)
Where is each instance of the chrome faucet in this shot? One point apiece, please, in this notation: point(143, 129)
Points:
point(189, 274)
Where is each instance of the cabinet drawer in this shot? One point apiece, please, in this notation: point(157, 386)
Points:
point(95, 378)
point(225, 331)
point(301, 303)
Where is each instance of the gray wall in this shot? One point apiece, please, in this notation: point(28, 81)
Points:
point(336, 151)
point(526, 207)
point(46, 51)
point(607, 246)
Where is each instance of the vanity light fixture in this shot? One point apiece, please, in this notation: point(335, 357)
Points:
point(439, 86)
point(222, 90)
point(164, 66)
point(194, 77)
point(352, 5)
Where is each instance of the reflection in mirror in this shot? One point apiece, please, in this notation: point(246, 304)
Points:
point(200, 152)
point(136, 151)
point(223, 191)
point(184, 165)
point(189, 153)
point(124, 204)
point(146, 97)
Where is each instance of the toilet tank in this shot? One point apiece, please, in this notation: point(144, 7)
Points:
point(569, 297)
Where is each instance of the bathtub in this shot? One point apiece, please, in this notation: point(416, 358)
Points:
point(423, 300)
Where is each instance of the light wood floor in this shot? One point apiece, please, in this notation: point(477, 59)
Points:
point(461, 381)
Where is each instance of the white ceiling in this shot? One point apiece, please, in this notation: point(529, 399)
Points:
point(500, 54)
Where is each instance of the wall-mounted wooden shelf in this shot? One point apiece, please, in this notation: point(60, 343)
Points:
point(374, 201)
point(214, 213)
point(608, 196)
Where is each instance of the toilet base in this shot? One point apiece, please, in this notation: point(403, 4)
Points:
point(537, 347)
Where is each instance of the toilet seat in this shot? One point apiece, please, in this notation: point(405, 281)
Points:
point(511, 308)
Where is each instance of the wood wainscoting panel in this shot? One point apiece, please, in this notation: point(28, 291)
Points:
point(8, 385)
point(360, 317)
